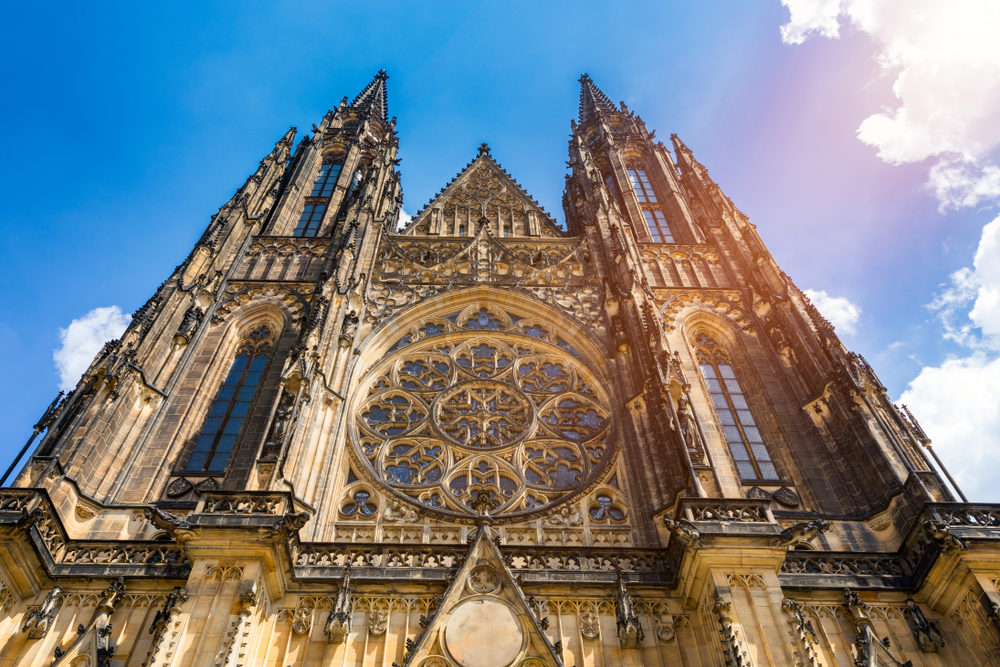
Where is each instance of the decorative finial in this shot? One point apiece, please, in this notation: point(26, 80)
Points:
point(483, 504)
point(484, 149)
point(382, 75)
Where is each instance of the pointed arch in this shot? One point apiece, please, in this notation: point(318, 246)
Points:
point(717, 364)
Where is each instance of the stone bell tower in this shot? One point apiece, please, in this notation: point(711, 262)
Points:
point(486, 439)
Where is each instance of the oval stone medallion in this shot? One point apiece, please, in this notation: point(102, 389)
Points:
point(483, 633)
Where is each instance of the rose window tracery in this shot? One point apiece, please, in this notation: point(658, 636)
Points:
point(501, 406)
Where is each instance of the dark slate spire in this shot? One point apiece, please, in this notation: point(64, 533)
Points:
point(593, 102)
point(374, 98)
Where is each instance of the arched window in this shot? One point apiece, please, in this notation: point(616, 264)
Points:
point(656, 221)
point(232, 403)
point(318, 200)
point(642, 187)
point(742, 435)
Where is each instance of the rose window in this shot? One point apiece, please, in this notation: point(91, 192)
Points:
point(483, 414)
point(483, 401)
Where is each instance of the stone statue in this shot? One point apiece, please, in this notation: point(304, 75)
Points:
point(927, 633)
point(282, 418)
point(629, 630)
point(398, 512)
point(338, 625)
point(567, 516)
point(688, 426)
point(39, 620)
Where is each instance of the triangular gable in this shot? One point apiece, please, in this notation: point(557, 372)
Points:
point(483, 620)
point(87, 645)
point(483, 189)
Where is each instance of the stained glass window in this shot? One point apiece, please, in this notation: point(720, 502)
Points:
point(231, 405)
point(743, 437)
point(309, 221)
point(325, 182)
point(656, 223)
point(641, 185)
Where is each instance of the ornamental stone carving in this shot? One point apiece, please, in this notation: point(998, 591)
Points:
point(502, 405)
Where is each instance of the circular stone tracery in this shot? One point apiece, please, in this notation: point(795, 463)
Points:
point(506, 408)
point(483, 414)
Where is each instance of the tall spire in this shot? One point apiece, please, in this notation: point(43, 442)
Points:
point(592, 101)
point(374, 98)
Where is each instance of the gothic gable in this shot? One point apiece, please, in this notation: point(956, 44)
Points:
point(483, 190)
point(483, 618)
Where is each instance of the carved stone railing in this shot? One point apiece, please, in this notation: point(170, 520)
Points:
point(314, 560)
point(966, 515)
point(845, 564)
point(741, 510)
point(244, 503)
point(30, 512)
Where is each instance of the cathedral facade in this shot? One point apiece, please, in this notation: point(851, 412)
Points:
point(487, 440)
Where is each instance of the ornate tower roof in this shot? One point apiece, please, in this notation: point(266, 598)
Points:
point(373, 98)
point(593, 101)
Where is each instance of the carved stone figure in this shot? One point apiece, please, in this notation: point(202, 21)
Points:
point(290, 523)
point(484, 579)
point(629, 629)
point(803, 531)
point(400, 512)
point(665, 629)
point(683, 531)
point(39, 620)
point(927, 633)
point(167, 521)
point(302, 620)
point(688, 425)
point(338, 625)
point(378, 621)
point(282, 418)
point(568, 516)
point(590, 625)
point(940, 533)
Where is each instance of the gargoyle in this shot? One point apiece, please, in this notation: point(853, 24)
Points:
point(940, 533)
point(290, 523)
point(165, 520)
point(683, 531)
point(804, 531)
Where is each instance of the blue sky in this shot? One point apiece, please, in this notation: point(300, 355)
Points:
point(128, 125)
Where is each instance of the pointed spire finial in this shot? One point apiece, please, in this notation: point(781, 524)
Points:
point(374, 97)
point(593, 102)
point(484, 149)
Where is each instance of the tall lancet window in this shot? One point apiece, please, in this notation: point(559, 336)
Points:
point(753, 461)
point(318, 200)
point(232, 403)
point(642, 187)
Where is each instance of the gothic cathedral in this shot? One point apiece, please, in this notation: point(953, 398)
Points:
point(486, 439)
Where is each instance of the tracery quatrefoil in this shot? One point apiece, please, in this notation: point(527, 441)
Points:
point(498, 408)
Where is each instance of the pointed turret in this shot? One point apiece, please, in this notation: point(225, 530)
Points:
point(593, 101)
point(373, 99)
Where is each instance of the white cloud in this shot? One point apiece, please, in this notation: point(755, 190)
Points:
point(811, 17)
point(958, 402)
point(843, 314)
point(979, 286)
point(83, 339)
point(958, 405)
point(946, 64)
point(404, 219)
